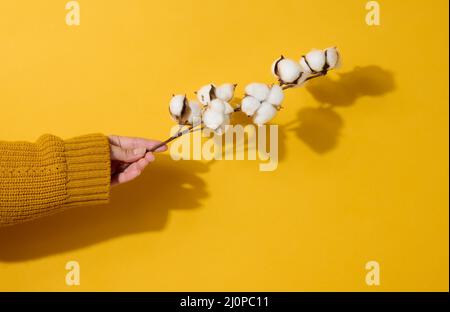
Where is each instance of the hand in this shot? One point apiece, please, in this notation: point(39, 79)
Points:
point(129, 157)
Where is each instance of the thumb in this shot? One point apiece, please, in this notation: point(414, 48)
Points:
point(127, 155)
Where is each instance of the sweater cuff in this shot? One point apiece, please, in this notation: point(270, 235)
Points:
point(88, 170)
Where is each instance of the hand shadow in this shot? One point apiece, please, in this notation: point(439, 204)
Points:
point(139, 206)
point(320, 127)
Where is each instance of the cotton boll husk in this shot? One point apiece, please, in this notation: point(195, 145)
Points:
point(260, 91)
point(196, 108)
point(273, 68)
point(228, 108)
point(250, 105)
point(264, 114)
point(301, 81)
point(176, 105)
point(304, 66)
point(316, 60)
point(195, 112)
point(225, 91)
point(213, 119)
point(287, 70)
point(217, 105)
point(276, 95)
point(332, 57)
point(206, 93)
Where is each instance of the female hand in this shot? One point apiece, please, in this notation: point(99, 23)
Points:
point(129, 157)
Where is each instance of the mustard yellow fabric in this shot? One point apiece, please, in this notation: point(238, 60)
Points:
point(38, 179)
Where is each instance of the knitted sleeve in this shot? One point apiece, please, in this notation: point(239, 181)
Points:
point(38, 179)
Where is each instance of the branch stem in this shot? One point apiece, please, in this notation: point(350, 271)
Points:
point(292, 85)
point(174, 137)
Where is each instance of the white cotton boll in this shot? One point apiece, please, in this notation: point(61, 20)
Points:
point(228, 108)
point(301, 81)
point(225, 92)
point(332, 57)
point(250, 105)
point(276, 95)
point(287, 70)
point(305, 68)
point(264, 114)
point(176, 105)
point(195, 112)
point(223, 127)
point(206, 94)
point(260, 91)
point(217, 105)
point(212, 119)
point(315, 60)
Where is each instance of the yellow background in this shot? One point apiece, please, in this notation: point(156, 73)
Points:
point(363, 173)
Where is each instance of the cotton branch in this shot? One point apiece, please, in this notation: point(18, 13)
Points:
point(261, 101)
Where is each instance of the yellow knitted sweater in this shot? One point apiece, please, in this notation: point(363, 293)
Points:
point(48, 176)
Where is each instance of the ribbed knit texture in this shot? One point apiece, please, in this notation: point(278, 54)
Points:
point(51, 175)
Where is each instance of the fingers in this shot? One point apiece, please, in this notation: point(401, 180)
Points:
point(127, 155)
point(160, 149)
point(133, 170)
point(132, 143)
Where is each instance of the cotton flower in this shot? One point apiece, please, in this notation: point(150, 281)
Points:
point(206, 94)
point(195, 114)
point(225, 92)
point(320, 61)
point(179, 109)
point(332, 57)
point(213, 119)
point(313, 62)
point(249, 105)
point(302, 79)
point(217, 115)
point(260, 91)
point(276, 95)
point(287, 70)
point(261, 101)
point(264, 114)
point(221, 106)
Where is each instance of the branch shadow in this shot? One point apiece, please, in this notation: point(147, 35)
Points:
point(320, 127)
point(361, 81)
point(142, 205)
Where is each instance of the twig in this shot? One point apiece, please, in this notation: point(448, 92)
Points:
point(292, 85)
point(174, 137)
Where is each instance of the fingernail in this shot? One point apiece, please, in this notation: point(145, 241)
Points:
point(150, 157)
point(139, 151)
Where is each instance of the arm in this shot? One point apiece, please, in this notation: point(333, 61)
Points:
point(38, 179)
point(42, 178)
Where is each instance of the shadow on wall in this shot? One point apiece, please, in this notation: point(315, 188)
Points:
point(144, 205)
point(320, 127)
point(139, 206)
